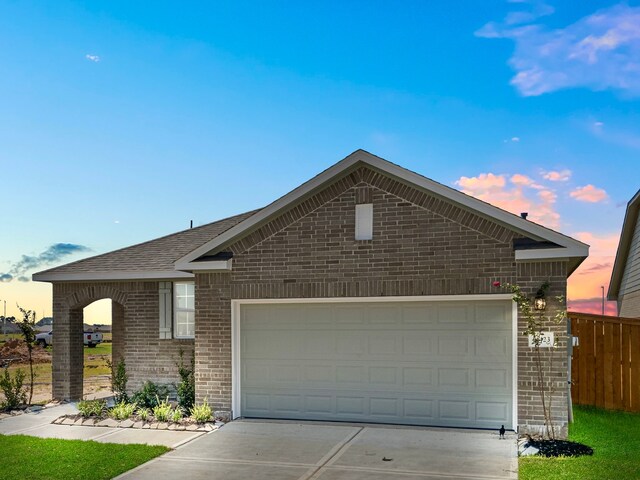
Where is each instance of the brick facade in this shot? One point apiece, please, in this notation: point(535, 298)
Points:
point(422, 245)
point(135, 334)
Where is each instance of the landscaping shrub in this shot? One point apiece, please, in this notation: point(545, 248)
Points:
point(150, 393)
point(119, 380)
point(15, 393)
point(27, 328)
point(162, 410)
point(92, 408)
point(201, 413)
point(122, 410)
point(187, 387)
point(143, 413)
point(176, 415)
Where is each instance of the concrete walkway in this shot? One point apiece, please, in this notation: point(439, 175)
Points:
point(306, 451)
point(38, 424)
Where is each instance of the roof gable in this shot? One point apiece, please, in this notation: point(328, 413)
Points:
point(567, 247)
point(629, 227)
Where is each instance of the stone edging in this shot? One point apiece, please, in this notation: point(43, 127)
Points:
point(78, 420)
point(29, 409)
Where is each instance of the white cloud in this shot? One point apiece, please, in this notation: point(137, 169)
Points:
point(557, 175)
point(600, 51)
point(93, 58)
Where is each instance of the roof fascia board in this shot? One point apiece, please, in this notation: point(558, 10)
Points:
point(624, 244)
point(100, 276)
point(547, 253)
point(521, 225)
point(211, 266)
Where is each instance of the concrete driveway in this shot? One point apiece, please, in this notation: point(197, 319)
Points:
point(292, 450)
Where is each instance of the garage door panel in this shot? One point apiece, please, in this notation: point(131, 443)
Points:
point(383, 343)
point(453, 379)
point(418, 344)
point(351, 344)
point(417, 377)
point(495, 378)
point(452, 314)
point(378, 363)
point(386, 376)
point(496, 347)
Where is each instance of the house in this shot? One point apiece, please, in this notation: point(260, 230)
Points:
point(44, 324)
point(365, 294)
point(625, 277)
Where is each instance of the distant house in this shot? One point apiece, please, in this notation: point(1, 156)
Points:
point(625, 278)
point(365, 294)
point(44, 324)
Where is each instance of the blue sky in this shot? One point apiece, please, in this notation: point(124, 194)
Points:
point(120, 122)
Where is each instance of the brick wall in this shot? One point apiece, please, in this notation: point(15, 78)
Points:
point(530, 277)
point(422, 245)
point(135, 326)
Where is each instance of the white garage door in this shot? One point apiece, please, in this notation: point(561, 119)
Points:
point(422, 363)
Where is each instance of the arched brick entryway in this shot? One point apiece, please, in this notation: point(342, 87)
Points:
point(69, 301)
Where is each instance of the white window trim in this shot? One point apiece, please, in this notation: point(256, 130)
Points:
point(176, 310)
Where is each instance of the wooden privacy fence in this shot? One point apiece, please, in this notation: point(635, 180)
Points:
point(605, 366)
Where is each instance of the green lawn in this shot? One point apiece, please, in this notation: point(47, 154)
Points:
point(31, 457)
point(615, 439)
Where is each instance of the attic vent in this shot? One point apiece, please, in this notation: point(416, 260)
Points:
point(364, 221)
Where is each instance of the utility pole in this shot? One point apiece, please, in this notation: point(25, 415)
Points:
point(602, 287)
point(4, 320)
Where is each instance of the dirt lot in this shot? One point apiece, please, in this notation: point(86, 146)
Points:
point(97, 377)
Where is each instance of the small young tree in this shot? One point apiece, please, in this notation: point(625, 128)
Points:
point(27, 328)
point(119, 379)
point(533, 310)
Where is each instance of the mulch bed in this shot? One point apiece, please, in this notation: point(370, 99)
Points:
point(559, 448)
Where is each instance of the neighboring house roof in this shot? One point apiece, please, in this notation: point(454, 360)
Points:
point(152, 259)
point(199, 249)
point(562, 245)
point(624, 246)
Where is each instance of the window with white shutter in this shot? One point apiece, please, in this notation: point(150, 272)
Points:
point(166, 309)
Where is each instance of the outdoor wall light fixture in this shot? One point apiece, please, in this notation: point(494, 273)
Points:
point(540, 303)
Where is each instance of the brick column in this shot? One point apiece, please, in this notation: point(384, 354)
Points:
point(68, 361)
point(530, 415)
point(117, 332)
point(213, 340)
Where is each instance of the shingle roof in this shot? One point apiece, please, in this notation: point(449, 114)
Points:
point(153, 256)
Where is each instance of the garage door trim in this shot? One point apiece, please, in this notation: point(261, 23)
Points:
point(236, 306)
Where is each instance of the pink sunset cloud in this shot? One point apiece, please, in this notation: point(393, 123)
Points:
point(514, 193)
point(518, 193)
point(589, 193)
point(584, 290)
